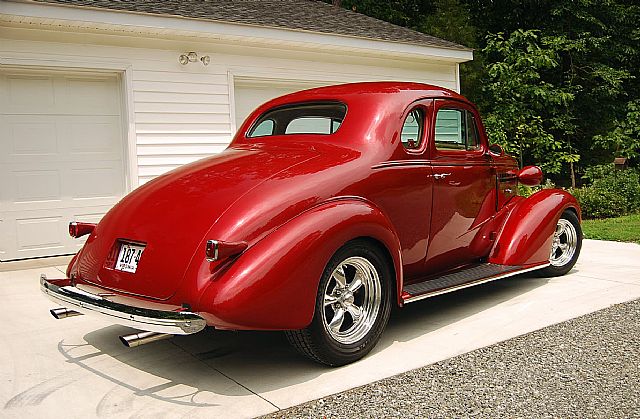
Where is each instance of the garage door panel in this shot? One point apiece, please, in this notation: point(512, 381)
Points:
point(96, 182)
point(39, 93)
point(93, 96)
point(32, 138)
point(36, 185)
point(61, 159)
point(28, 94)
point(40, 233)
point(95, 135)
point(61, 138)
point(43, 234)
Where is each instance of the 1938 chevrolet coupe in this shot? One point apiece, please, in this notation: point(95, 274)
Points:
point(330, 206)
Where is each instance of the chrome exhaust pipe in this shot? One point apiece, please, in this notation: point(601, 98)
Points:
point(142, 338)
point(63, 313)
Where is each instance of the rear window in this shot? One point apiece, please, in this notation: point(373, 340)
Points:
point(322, 118)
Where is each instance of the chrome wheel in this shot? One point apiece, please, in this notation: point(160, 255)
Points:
point(352, 299)
point(565, 242)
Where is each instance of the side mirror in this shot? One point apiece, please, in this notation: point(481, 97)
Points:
point(496, 150)
point(530, 175)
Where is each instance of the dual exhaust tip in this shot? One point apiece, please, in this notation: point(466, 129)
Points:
point(130, 341)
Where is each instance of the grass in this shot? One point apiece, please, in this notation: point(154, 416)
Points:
point(621, 229)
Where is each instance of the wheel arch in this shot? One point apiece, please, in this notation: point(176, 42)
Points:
point(273, 285)
point(525, 238)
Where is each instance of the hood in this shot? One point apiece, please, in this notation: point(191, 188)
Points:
point(171, 215)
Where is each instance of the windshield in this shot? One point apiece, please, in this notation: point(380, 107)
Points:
point(322, 118)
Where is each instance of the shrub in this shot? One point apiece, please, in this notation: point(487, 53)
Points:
point(611, 192)
point(599, 203)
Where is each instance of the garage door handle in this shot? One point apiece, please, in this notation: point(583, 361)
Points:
point(441, 175)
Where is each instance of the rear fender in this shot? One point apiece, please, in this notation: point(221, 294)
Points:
point(273, 285)
point(525, 238)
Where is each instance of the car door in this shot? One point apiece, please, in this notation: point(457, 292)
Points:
point(464, 196)
point(404, 186)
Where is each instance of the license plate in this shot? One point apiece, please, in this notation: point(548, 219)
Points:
point(129, 257)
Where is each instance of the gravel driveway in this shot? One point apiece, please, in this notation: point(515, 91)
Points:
point(585, 367)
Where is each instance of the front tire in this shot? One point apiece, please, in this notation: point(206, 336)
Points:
point(353, 305)
point(566, 245)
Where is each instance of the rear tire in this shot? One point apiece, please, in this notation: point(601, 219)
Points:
point(353, 305)
point(566, 245)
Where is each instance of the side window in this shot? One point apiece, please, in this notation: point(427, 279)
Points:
point(456, 130)
point(449, 129)
point(264, 128)
point(412, 129)
point(312, 125)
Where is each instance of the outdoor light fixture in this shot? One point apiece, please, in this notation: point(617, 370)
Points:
point(192, 57)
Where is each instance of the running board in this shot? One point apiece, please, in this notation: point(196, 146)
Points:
point(476, 275)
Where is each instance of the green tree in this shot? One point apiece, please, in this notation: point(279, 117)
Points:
point(529, 117)
point(598, 59)
point(624, 138)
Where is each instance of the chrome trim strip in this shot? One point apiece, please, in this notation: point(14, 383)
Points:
point(435, 163)
point(160, 321)
point(472, 283)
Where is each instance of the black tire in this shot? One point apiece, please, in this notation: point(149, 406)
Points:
point(335, 347)
point(570, 235)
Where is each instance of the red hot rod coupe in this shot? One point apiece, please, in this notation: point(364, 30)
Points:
point(330, 206)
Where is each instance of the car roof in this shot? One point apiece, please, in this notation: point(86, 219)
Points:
point(408, 90)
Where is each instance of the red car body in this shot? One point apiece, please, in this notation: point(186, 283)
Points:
point(293, 200)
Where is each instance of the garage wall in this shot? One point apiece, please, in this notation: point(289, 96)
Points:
point(178, 114)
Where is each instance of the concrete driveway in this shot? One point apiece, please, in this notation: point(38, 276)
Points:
point(78, 368)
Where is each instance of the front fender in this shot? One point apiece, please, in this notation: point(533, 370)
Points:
point(525, 238)
point(273, 285)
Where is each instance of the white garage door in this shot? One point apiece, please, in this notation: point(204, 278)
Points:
point(249, 94)
point(61, 157)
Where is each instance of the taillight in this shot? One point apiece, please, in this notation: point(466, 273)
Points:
point(77, 229)
point(218, 250)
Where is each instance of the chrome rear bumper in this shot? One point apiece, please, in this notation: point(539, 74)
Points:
point(169, 322)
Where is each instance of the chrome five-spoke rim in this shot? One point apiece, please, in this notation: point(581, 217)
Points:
point(565, 240)
point(352, 299)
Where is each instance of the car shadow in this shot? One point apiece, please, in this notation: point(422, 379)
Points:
point(212, 361)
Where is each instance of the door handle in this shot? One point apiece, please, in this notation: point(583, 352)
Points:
point(441, 175)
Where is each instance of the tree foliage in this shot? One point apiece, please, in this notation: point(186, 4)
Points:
point(529, 116)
